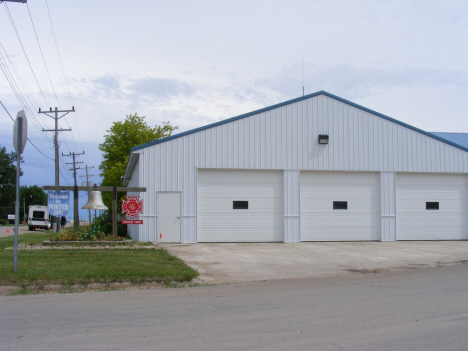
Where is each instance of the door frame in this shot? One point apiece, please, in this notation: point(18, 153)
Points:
point(179, 217)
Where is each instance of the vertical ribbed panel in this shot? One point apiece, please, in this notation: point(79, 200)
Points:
point(292, 211)
point(387, 206)
point(287, 138)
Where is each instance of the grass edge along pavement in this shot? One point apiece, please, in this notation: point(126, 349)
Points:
point(67, 268)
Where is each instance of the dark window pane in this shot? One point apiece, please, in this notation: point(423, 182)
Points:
point(340, 205)
point(432, 205)
point(240, 205)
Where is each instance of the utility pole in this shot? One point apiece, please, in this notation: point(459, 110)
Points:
point(76, 218)
point(87, 184)
point(56, 145)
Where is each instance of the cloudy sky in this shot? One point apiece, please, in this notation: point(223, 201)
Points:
point(197, 62)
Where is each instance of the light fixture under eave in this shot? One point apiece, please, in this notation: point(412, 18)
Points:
point(95, 201)
point(323, 139)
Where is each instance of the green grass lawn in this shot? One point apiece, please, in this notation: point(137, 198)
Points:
point(87, 266)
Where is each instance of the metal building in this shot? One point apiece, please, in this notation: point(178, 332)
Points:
point(316, 168)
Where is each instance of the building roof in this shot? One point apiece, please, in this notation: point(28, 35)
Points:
point(456, 138)
point(456, 142)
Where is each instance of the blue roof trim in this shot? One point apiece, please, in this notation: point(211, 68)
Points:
point(321, 92)
point(457, 138)
point(232, 119)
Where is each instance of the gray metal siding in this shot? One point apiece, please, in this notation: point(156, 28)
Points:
point(387, 206)
point(286, 138)
point(292, 210)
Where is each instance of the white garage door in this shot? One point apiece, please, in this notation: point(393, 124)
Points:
point(431, 206)
point(239, 206)
point(340, 206)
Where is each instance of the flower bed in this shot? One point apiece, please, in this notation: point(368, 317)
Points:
point(92, 243)
point(84, 234)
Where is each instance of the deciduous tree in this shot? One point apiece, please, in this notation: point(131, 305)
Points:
point(31, 195)
point(121, 137)
point(7, 182)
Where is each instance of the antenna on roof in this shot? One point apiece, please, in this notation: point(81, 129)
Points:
point(302, 75)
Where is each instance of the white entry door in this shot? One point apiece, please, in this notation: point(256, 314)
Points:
point(168, 217)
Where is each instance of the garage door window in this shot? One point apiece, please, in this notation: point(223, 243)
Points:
point(240, 205)
point(432, 205)
point(340, 205)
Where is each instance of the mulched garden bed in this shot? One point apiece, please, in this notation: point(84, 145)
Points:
point(103, 242)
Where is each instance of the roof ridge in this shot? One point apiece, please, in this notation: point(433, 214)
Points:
point(448, 132)
point(321, 92)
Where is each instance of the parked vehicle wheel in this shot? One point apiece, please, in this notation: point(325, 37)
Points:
point(31, 228)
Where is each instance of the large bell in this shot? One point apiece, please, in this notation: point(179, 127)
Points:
point(95, 201)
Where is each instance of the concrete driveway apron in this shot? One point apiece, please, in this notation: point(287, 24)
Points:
point(221, 263)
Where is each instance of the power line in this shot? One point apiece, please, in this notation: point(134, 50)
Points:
point(58, 52)
point(17, 92)
point(42, 55)
point(65, 79)
point(65, 179)
point(15, 86)
point(50, 158)
point(4, 60)
point(17, 75)
point(24, 51)
point(75, 191)
point(56, 130)
point(87, 184)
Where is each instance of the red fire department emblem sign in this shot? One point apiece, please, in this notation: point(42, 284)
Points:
point(133, 207)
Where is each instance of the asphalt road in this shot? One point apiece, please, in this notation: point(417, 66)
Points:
point(414, 309)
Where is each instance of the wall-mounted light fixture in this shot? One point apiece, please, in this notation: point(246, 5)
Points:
point(323, 139)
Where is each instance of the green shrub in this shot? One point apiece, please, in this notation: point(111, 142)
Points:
point(107, 228)
point(3, 221)
point(105, 222)
point(121, 230)
point(83, 234)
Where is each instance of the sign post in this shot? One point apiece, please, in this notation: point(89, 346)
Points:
point(20, 135)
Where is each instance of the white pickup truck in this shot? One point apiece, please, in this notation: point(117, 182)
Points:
point(38, 217)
